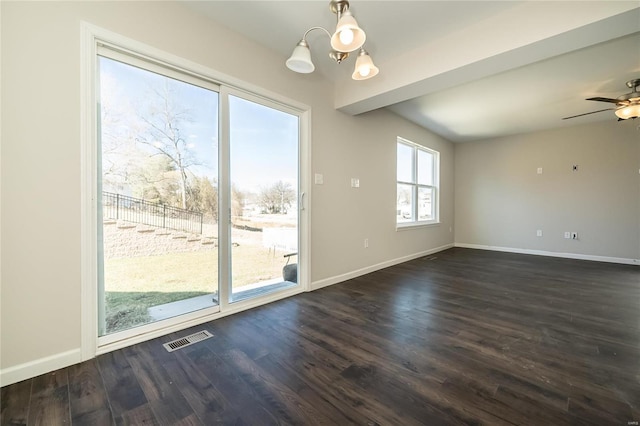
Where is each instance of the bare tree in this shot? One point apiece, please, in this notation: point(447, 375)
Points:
point(277, 198)
point(117, 137)
point(164, 119)
point(203, 196)
point(154, 179)
point(237, 201)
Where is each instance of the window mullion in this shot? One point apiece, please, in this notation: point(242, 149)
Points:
point(415, 185)
point(414, 203)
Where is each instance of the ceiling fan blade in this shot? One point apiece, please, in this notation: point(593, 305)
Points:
point(613, 101)
point(587, 113)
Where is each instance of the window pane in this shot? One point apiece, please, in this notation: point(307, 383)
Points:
point(404, 205)
point(405, 163)
point(425, 168)
point(264, 198)
point(425, 204)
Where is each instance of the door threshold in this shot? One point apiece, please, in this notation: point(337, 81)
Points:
point(259, 290)
point(180, 307)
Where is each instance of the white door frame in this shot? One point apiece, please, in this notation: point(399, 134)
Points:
point(91, 36)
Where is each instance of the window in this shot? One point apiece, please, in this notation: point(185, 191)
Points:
point(417, 190)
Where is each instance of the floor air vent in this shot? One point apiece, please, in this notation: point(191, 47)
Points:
point(186, 341)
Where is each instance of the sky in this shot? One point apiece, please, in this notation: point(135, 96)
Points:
point(264, 141)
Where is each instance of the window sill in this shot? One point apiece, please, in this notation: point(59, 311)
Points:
point(414, 225)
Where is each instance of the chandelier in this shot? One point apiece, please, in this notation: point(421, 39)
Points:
point(347, 38)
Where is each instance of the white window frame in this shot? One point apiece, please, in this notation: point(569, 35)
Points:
point(415, 186)
point(92, 37)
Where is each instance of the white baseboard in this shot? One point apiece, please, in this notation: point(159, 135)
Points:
point(621, 260)
point(40, 366)
point(353, 274)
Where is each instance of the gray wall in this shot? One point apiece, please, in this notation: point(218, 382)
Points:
point(501, 201)
point(41, 158)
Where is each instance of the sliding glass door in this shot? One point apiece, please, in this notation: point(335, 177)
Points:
point(198, 196)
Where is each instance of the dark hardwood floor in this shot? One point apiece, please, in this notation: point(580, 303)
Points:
point(460, 337)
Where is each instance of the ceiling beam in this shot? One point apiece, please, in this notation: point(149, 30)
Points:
point(519, 36)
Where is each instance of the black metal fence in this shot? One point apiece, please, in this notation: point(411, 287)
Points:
point(136, 210)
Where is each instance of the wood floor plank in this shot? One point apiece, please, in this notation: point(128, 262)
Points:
point(524, 407)
point(273, 391)
point(49, 402)
point(209, 404)
point(279, 368)
point(245, 400)
point(140, 415)
point(14, 403)
point(123, 390)
point(163, 396)
point(277, 363)
point(319, 369)
point(88, 397)
point(601, 411)
point(366, 393)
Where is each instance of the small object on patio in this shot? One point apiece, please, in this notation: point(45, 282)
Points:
point(290, 272)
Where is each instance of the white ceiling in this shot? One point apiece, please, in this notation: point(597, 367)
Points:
point(467, 70)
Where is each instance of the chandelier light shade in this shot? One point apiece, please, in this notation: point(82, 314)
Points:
point(300, 60)
point(629, 111)
point(348, 37)
point(364, 66)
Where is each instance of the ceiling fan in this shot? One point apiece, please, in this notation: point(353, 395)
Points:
point(627, 105)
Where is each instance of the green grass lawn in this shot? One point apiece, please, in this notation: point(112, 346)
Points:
point(132, 285)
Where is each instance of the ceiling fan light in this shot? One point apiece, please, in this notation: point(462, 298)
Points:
point(628, 111)
point(348, 36)
point(300, 60)
point(365, 68)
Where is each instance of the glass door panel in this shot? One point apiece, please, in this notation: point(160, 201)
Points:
point(264, 145)
point(158, 188)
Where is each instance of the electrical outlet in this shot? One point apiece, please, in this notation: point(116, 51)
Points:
point(539, 233)
point(539, 170)
point(574, 235)
point(567, 235)
point(366, 243)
